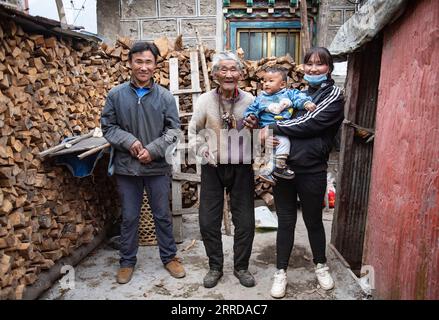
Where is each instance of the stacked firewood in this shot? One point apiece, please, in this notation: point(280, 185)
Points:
point(50, 89)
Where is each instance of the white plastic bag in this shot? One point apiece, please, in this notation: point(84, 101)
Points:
point(264, 218)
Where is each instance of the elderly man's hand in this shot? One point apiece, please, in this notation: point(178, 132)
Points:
point(268, 140)
point(135, 148)
point(144, 156)
point(271, 142)
point(251, 121)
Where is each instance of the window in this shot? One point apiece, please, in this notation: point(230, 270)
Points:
point(260, 43)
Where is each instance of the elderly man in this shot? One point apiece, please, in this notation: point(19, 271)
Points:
point(218, 135)
point(141, 122)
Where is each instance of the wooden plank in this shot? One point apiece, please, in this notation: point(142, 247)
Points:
point(352, 86)
point(173, 77)
point(177, 220)
point(178, 176)
point(195, 83)
point(186, 114)
point(185, 211)
point(304, 31)
point(181, 176)
point(339, 256)
point(186, 91)
point(93, 151)
point(203, 62)
point(350, 215)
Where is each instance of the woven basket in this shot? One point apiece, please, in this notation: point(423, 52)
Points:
point(146, 226)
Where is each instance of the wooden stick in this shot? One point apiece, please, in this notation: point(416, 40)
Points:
point(356, 126)
point(190, 246)
point(94, 150)
point(63, 145)
point(61, 13)
point(203, 61)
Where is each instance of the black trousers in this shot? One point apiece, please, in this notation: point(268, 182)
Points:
point(238, 179)
point(311, 189)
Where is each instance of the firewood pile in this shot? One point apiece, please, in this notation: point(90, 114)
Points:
point(52, 88)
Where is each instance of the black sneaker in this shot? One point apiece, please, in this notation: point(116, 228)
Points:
point(245, 278)
point(284, 173)
point(268, 178)
point(211, 278)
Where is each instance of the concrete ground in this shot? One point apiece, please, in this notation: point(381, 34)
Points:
point(95, 275)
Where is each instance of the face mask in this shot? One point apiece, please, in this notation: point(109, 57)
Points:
point(315, 80)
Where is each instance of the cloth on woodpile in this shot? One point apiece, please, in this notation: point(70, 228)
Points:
point(69, 156)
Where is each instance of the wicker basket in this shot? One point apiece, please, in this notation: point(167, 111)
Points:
point(146, 226)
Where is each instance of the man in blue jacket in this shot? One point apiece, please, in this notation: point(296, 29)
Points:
point(140, 120)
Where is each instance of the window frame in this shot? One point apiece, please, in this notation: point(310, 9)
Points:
point(267, 36)
point(230, 37)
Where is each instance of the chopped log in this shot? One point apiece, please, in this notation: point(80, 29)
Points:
point(268, 198)
point(162, 44)
point(5, 264)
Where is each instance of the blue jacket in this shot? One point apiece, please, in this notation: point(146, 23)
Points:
point(261, 103)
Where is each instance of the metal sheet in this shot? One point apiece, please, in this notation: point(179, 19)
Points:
point(402, 240)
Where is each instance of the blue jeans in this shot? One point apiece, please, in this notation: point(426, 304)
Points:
point(130, 190)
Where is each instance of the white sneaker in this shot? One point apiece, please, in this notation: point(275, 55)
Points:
point(279, 284)
point(324, 278)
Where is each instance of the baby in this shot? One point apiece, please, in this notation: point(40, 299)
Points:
point(276, 103)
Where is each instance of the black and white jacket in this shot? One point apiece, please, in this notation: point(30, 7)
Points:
point(312, 133)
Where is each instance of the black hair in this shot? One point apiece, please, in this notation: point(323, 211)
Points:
point(141, 46)
point(283, 72)
point(324, 56)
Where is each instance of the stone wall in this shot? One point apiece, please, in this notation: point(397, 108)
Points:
point(151, 19)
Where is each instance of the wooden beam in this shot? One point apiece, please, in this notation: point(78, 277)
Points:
point(181, 176)
point(322, 25)
point(93, 151)
point(304, 32)
point(186, 91)
point(185, 211)
point(186, 114)
point(203, 61)
point(61, 13)
point(219, 26)
point(177, 204)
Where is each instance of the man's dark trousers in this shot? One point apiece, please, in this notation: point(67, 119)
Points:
point(238, 179)
point(131, 190)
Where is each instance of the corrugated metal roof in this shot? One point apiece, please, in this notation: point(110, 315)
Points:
point(45, 25)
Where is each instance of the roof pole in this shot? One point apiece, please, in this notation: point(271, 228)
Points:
point(61, 13)
point(304, 32)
